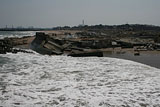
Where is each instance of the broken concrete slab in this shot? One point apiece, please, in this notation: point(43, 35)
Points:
point(47, 44)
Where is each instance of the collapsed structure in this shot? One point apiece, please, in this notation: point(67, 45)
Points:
point(81, 43)
point(69, 44)
point(77, 43)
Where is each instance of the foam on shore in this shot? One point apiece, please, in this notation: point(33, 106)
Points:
point(18, 34)
point(37, 80)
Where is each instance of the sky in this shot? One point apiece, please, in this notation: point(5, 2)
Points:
point(52, 13)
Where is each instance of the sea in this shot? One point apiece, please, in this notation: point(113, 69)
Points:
point(34, 80)
point(4, 34)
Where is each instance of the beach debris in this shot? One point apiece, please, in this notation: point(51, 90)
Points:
point(7, 46)
point(76, 47)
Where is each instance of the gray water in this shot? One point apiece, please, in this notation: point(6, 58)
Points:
point(34, 80)
point(4, 34)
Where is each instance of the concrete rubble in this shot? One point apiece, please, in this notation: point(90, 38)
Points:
point(69, 44)
point(14, 45)
point(76, 44)
point(81, 44)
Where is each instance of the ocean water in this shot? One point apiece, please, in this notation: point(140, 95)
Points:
point(4, 34)
point(34, 80)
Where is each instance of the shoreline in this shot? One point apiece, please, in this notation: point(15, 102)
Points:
point(151, 58)
point(148, 57)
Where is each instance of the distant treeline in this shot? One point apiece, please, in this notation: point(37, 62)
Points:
point(132, 27)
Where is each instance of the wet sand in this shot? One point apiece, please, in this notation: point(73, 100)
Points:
point(151, 58)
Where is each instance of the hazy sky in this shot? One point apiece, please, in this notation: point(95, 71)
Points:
point(50, 13)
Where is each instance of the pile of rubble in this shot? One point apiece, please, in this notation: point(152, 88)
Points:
point(77, 44)
point(7, 46)
point(56, 45)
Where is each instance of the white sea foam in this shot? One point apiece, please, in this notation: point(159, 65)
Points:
point(33, 80)
point(19, 34)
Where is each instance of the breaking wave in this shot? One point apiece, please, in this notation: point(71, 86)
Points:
point(38, 80)
point(19, 34)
